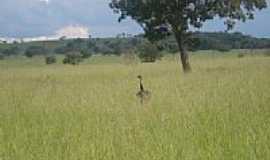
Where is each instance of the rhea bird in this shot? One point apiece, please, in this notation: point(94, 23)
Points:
point(143, 94)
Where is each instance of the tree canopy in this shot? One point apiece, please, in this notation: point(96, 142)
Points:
point(160, 18)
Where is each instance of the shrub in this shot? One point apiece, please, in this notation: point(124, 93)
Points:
point(61, 50)
point(2, 56)
point(50, 59)
point(223, 47)
point(86, 53)
point(11, 51)
point(241, 55)
point(35, 50)
point(148, 52)
point(73, 58)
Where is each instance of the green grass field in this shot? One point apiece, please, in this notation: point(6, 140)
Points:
point(221, 111)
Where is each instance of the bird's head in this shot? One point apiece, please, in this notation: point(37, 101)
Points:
point(139, 77)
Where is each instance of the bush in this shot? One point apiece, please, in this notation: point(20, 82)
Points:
point(61, 50)
point(11, 51)
point(241, 55)
point(86, 53)
point(223, 47)
point(2, 56)
point(73, 58)
point(35, 50)
point(50, 59)
point(148, 52)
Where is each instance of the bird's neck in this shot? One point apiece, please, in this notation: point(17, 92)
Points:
point(141, 86)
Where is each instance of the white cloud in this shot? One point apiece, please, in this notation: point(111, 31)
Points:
point(33, 18)
point(46, 1)
point(73, 31)
point(70, 32)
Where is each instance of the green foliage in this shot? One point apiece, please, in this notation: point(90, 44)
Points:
point(222, 47)
point(148, 52)
point(75, 45)
point(115, 46)
point(157, 17)
point(73, 58)
point(241, 55)
point(122, 45)
point(12, 50)
point(61, 50)
point(35, 50)
point(229, 40)
point(51, 59)
point(63, 38)
point(2, 57)
point(86, 53)
point(164, 17)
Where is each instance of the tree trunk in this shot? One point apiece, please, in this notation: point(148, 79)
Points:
point(183, 53)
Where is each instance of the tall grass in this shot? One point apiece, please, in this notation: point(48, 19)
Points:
point(221, 111)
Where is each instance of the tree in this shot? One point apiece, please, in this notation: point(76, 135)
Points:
point(86, 53)
point(148, 52)
point(50, 59)
point(61, 50)
point(35, 50)
point(73, 58)
point(11, 51)
point(76, 45)
point(2, 56)
point(63, 38)
point(159, 18)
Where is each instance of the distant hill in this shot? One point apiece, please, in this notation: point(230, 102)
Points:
point(237, 40)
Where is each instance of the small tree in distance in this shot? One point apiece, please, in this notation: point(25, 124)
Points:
point(86, 53)
point(159, 18)
point(148, 52)
point(50, 59)
point(2, 57)
point(11, 51)
point(73, 58)
point(35, 50)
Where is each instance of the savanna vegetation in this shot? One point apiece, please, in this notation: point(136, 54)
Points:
point(220, 111)
point(137, 45)
point(177, 17)
point(97, 110)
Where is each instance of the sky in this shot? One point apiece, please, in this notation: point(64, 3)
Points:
point(33, 18)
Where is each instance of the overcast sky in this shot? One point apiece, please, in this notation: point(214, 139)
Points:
point(30, 18)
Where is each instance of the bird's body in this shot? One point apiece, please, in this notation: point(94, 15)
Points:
point(143, 94)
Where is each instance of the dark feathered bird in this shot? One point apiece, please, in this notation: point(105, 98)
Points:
point(143, 94)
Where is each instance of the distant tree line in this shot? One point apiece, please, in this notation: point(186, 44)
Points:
point(220, 41)
point(223, 40)
point(146, 51)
